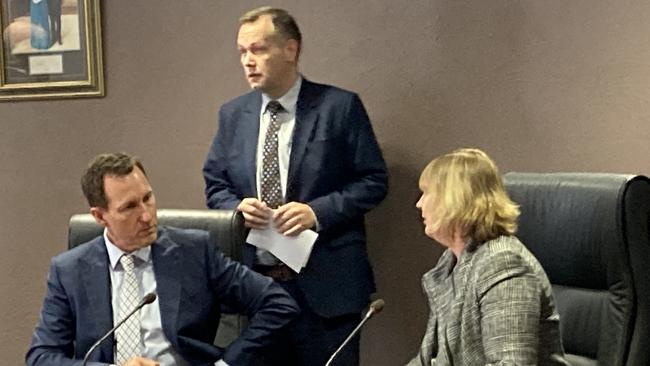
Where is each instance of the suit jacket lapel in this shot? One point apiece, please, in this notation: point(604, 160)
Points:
point(250, 132)
point(460, 275)
point(430, 340)
point(166, 257)
point(97, 285)
point(306, 118)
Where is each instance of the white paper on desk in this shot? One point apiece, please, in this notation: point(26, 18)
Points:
point(293, 251)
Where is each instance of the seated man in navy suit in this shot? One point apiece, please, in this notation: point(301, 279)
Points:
point(91, 287)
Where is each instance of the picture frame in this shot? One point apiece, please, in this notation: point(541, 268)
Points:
point(50, 49)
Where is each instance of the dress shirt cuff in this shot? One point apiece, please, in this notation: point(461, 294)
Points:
point(316, 225)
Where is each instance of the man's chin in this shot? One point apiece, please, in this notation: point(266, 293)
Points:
point(152, 237)
point(258, 85)
point(148, 239)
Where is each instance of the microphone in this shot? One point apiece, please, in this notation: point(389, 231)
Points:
point(147, 299)
point(374, 308)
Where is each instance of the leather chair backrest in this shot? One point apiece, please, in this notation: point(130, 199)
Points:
point(225, 226)
point(590, 233)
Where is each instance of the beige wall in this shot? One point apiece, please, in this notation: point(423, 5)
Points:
point(546, 85)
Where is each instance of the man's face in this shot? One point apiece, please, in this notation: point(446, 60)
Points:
point(269, 62)
point(130, 218)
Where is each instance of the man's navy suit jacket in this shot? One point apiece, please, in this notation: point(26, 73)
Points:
point(335, 166)
point(193, 280)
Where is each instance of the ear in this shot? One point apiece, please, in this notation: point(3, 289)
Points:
point(291, 50)
point(98, 214)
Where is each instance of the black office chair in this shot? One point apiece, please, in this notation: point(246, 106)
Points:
point(226, 226)
point(590, 233)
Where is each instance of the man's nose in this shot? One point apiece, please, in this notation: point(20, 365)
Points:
point(248, 60)
point(146, 216)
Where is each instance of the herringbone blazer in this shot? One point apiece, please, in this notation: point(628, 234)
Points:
point(494, 306)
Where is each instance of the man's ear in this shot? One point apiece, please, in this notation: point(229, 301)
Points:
point(291, 50)
point(98, 214)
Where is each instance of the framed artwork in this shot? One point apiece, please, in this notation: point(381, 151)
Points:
point(50, 49)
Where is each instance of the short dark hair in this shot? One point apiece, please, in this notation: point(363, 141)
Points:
point(114, 164)
point(285, 25)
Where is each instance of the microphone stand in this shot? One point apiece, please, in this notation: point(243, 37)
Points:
point(375, 307)
point(147, 299)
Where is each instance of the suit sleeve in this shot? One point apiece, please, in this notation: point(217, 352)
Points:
point(219, 191)
point(53, 339)
point(509, 297)
point(367, 183)
point(268, 307)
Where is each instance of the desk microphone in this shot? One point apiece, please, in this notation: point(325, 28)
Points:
point(147, 299)
point(374, 308)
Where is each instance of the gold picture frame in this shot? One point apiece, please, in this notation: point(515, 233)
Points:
point(50, 49)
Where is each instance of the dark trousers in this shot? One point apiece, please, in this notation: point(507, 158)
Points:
point(311, 339)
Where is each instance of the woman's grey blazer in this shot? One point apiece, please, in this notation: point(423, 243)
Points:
point(494, 307)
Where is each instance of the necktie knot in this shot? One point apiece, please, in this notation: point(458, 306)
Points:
point(128, 262)
point(274, 107)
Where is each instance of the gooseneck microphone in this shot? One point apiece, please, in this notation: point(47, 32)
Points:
point(147, 299)
point(374, 308)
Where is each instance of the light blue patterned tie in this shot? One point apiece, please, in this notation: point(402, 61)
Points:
point(128, 335)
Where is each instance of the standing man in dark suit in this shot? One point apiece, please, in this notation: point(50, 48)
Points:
point(91, 287)
point(299, 155)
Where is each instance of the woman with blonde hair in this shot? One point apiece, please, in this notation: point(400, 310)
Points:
point(490, 300)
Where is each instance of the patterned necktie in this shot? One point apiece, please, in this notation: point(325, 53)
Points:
point(271, 188)
point(128, 335)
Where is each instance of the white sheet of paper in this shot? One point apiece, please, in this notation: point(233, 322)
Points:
point(293, 251)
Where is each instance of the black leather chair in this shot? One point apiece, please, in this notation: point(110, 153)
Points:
point(590, 233)
point(226, 226)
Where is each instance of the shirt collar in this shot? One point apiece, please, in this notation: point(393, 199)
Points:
point(288, 100)
point(114, 253)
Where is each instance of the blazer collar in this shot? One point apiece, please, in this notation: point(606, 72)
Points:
point(249, 128)
point(167, 257)
point(97, 286)
point(306, 119)
point(459, 277)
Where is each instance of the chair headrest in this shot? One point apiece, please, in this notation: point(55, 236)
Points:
point(565, 216)
point(225, 226)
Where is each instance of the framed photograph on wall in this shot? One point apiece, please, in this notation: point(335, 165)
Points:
point(50, 49)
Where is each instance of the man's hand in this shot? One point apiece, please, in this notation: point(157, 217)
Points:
point(293, 218)
point(256, 213)
point(141, 361)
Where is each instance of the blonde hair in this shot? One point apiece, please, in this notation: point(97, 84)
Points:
point(468, 196)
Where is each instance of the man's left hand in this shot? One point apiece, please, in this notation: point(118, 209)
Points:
point(293, 218)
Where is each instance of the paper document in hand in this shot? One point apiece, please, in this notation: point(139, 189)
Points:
point(293, 251)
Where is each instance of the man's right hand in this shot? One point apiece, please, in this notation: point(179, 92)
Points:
point(141, 361)
point(256, 213)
